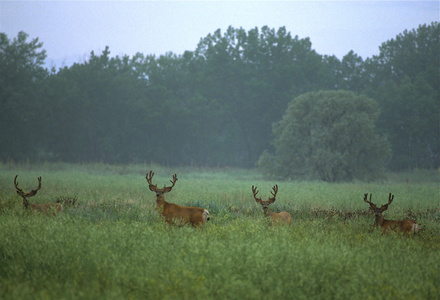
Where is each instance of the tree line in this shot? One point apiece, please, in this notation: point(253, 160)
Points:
point(213, 106)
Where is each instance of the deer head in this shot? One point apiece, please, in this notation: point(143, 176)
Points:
point(25, 195)
point(265, 204)
point(153, 187)
point(378, 211)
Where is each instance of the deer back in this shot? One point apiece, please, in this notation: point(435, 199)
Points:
point(405, 226)
point(282, 217)
point(182, 215)
point(47, 208)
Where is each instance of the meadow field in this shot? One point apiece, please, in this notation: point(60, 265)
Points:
point(114, 245)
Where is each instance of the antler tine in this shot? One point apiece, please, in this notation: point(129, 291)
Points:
point(255, 192)
point(173, 182)
point(16, 183)
point(369, 202)
point(39, 184)
point(19, 190)
point(33, 192)
point(390, 199)
point(366, 198)
point(149, 178)
point(273, 193)
point(275, 190)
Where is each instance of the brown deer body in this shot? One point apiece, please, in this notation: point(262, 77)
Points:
point(47, 208)
point(405, 226)
point(276, 218)
point(173, 213)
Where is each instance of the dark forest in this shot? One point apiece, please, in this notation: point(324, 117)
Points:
point(221, 104)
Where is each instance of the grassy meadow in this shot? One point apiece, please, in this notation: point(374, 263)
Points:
point(115, 246)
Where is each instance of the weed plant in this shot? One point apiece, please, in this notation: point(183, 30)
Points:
point(113, 245)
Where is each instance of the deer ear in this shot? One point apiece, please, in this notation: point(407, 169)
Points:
point(167, 189)
point(152, 188)
point(384, 207)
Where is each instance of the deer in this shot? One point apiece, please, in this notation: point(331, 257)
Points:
point(173, 213)
point(405, 226)
point(276, 218)
point(46, 208)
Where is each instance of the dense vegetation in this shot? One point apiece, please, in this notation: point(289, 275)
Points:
point(214, 106)
point(331, 134)
point(114, 246)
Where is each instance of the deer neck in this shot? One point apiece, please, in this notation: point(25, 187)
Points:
point(25, 203)
point(379, 220)
point(267, 212)
point(160, 201)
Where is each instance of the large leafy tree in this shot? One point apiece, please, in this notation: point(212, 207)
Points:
point(330, 135)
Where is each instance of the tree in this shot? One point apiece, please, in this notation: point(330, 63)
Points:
point(411, 53)
point(252, 76)
point(330, 135)
point(404, 79)
point(97, 111)
point(410, 118)
point(21, 77)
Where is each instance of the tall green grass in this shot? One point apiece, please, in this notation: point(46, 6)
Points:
point(114, 245)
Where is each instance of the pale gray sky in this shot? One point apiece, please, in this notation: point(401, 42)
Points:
point(70, 30)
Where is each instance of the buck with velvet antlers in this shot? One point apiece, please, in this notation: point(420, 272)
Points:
point(174, 213)
point(276, 218)
point(46, 208)
point(405, 226)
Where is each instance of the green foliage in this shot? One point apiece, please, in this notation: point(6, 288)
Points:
point(214, 106)
point(405, 83)
point(115, 246)
point(21, 79)
point(330, 135)
point(410, 119)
